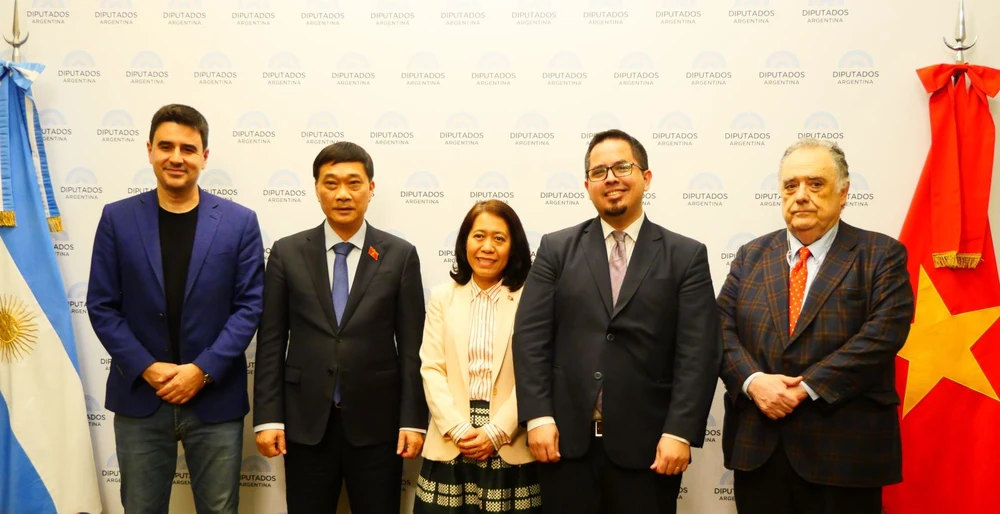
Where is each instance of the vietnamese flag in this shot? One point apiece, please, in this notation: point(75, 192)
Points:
point(948, 373)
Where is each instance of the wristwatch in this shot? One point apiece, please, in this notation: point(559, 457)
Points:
point(207, 379)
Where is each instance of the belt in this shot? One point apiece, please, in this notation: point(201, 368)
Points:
point(598, 428)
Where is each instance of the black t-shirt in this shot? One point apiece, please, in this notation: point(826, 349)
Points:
point(176, 242)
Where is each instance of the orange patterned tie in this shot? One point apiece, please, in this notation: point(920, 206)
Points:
point(797, 289)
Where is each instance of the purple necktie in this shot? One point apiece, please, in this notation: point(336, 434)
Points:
point(616, 265)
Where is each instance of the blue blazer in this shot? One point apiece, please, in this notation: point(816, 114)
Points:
point(223, 300)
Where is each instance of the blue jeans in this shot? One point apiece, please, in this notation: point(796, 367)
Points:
point(147, 456)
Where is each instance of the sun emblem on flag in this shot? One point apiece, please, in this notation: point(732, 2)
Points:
point(18, 331)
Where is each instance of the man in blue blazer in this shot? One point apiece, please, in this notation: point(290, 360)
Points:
point(175, 296)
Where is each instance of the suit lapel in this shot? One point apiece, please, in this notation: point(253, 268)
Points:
point(835, 265)
point(647, 248)
point(204, 233)
point(776, 279)
point(367, 267)
point(596, 251)
point(458, 314)
point(314, 253)
point(147, 217)
point(506, 308)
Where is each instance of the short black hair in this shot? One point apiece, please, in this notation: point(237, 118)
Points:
point(181, 115)
point(638, 151)
point(519, 260)
point(343, 151)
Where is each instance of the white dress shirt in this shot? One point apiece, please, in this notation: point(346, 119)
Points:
point(817, 252)
point(353, 258)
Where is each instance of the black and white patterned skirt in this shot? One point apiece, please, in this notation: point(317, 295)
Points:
point(466, 486)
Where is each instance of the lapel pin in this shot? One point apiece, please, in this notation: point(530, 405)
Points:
point(372, 252)
point(511, 298)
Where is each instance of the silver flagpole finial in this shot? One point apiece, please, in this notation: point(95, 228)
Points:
point(17, 40)
point(960, 36)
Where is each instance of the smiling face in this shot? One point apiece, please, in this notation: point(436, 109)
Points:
point(177, 157)
point(618, 199)
point(488, 248)
point(811, 198)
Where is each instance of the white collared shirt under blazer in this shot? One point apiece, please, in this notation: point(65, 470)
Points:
point(465, 355)
point(482, 326)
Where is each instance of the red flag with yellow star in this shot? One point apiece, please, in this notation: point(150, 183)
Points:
point(948, 373)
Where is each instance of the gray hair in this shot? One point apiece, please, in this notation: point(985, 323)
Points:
point(839, 160)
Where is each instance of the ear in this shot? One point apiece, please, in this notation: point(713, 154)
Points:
point(843, 195)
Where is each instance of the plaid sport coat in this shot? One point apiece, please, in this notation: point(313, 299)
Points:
point(854, 320)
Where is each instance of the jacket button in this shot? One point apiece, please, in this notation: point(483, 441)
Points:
point(161, 315)
point(598, 375)
point(494, 391)
point(611, 337)
point(329, 371)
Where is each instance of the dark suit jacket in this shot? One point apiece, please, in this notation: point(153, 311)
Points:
point(222, 303)
point(853, 322)
point(657, 353)
point(375, 349)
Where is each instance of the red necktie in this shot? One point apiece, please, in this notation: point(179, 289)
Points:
point(797, 289)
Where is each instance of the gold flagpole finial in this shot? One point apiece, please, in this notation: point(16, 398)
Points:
point(17, 40)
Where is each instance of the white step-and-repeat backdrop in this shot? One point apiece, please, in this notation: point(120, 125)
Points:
point(461, 100)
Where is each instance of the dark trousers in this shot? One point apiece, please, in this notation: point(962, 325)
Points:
point(775, 488)
point(594, 485)
point(314, 474)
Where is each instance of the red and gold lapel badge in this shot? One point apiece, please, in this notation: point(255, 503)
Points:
point(372, 252)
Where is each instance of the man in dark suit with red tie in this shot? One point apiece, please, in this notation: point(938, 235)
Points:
point(616, 348)
point(337, 388)
point(812, 318)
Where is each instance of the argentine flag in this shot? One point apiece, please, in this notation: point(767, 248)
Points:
point(46, 457)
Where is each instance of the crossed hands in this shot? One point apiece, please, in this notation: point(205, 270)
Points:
point(777, 395)
point(175, 383)
point(475, 444)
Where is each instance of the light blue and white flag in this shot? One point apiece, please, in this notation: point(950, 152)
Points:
point(46, 457)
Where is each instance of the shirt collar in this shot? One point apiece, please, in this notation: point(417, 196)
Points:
point(632, 230)
point(493, 292)
point(818, 249)
point(358, 239)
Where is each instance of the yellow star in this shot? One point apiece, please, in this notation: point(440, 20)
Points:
point(940, 346)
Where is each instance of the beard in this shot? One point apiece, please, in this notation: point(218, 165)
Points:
point(616, 209)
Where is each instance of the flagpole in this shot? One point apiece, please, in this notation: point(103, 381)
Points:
point(17, 40)
point(958, 47)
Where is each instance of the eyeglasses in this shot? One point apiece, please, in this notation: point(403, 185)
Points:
point(620, 169)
